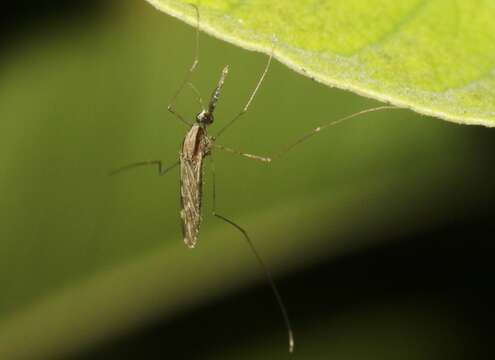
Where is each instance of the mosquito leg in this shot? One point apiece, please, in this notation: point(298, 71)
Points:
point(250, 100)
point(249, 156)
point(161, 171)
point(286, 148)
point(260, 261)
point(268, 277)
point(318, 129)
point(198, 95)
point(171, 106)
point(214, 184)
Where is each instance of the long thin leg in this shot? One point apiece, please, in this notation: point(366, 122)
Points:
point(171, 106)
point(161, 171)
point(260, 261)
point(250, 156)
point(198, 95)
point(250, 100)
point(288, 147)
point(316, 130)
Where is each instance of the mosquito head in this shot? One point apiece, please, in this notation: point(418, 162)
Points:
point(204, 117)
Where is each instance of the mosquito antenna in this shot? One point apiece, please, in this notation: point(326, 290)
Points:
point(335, 122)
point(218, 89)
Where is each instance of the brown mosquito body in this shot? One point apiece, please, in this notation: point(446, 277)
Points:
point(197, 145)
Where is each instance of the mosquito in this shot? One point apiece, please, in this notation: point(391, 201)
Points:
point(197, 145)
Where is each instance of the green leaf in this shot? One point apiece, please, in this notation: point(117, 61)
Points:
point(85, 257)
point(434, 57)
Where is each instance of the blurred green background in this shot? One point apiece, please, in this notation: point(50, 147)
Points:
point(379, 231)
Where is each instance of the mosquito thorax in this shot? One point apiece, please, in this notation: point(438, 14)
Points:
point(204, 117)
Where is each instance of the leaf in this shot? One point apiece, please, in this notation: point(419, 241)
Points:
point(85, 257)
point(434, 57)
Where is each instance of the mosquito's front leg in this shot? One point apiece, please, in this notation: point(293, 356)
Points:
point(171, 106)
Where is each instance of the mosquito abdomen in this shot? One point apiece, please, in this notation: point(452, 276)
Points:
point(194, 149)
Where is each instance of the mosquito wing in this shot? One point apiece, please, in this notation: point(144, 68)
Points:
point(194, 149)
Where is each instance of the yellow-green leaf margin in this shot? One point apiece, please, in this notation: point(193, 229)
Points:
point(436, 57)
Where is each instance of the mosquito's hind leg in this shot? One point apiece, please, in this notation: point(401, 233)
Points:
point(265, 269)
point(171, 106)
point(161, 170)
